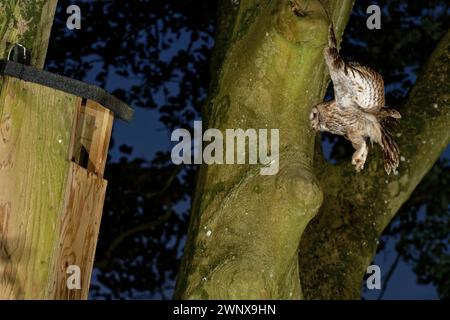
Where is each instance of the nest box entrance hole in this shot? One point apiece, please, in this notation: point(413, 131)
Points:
point(91, 134)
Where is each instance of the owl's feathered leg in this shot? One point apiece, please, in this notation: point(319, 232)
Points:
point(362, 150)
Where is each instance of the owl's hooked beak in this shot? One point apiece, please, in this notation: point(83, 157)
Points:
point(314, 119)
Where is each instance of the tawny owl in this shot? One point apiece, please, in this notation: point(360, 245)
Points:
point(358, 112)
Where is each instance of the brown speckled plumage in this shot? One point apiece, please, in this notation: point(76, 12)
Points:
point(358, 111)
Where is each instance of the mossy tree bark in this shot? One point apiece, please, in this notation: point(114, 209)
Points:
point(245, 227)
point(28, 23)
point(245, 231)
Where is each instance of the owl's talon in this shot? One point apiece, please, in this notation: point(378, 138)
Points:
point(358, 162)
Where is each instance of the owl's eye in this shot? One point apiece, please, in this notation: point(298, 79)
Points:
point(313, 114)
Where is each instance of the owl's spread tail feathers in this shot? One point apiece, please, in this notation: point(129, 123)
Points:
point(391, 153)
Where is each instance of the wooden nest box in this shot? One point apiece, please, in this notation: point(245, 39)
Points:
point(54, 137)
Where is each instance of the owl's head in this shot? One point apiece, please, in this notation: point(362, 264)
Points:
point(315, 116)
point(319, 115)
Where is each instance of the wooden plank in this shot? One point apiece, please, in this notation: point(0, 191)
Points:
point(50, 208)
point(35, 134)
point(78, 231)
point(82, 135)
point(91, 139)
point(101, 136)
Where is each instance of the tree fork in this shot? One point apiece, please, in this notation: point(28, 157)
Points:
point(245, 228)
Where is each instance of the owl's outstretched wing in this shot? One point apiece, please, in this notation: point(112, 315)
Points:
point(367, 86)
point(354, 85)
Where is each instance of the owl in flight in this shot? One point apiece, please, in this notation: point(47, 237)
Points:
point(358, 112)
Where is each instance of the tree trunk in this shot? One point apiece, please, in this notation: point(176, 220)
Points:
point(245, 230)
point(28, 23)
point(245, 227)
